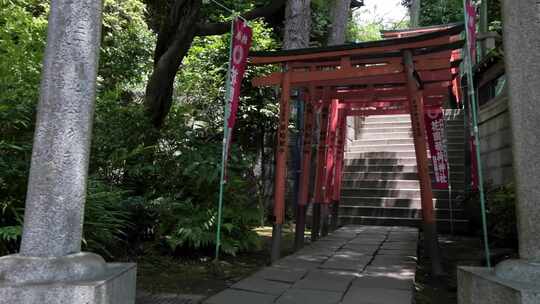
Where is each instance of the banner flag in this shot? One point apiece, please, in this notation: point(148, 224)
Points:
point(434, 119)
point(241, 42)
point(241, 37)
point(471, 28)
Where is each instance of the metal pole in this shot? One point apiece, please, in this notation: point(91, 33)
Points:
point(474, 112)
point(224, 152)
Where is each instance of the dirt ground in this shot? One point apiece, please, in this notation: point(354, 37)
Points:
point(201, 275)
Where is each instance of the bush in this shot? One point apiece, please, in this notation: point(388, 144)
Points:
point(502, 219)
point(106, 221)
point(501, 215)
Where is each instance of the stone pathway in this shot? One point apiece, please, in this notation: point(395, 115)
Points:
point(146, 298)
point(355, 264)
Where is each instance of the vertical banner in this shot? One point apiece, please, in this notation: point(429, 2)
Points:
point(241, 42)
point(472, 150)
point(434, 119)
point(470, 11)
point(241, 36)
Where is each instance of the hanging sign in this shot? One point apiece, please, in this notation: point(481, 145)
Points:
point(470, 11)
point(434, 119)
point(241, 42)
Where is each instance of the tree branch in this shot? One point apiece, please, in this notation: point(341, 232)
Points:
point(219, 28)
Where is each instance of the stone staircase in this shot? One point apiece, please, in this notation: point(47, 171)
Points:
point(380, 182)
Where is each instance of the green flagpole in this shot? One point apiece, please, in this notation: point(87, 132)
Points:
point(224, 152)
point(474, 112)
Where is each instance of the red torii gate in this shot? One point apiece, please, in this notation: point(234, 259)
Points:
point(392, 76)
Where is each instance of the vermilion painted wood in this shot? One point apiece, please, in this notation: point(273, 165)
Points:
point(321, 156)
point(434, 42)
point(341, 139)
point(331, 150)
point(380, 93)
point(309, 124)
point(299, 77)
point(282, 148)
point(416, 106)
point(413, 32)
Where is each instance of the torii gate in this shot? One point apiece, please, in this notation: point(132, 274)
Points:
point(400, 75)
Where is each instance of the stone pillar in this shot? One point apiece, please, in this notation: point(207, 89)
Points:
point(50, 267)
point(518, 281)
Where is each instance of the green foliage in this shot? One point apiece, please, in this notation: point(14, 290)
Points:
point(146, 185)
point(501, 214)
point(22, 32)
point(435, 12)
point(105, 219)
point(126, 47)
point(502, 220)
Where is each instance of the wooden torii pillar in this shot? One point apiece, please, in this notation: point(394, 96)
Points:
point(339, 160)
point(319, 179)
point(281, 165)
point(303, 191)
point(416, 106)
point(329, 172)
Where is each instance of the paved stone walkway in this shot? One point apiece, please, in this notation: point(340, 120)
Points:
point(146, 298)
point(354, 265)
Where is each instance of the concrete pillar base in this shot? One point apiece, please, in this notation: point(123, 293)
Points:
point(477, 285)
point(116, 285)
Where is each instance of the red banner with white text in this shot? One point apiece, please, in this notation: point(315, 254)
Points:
point(241, 42)
point(434, 119)
point(471, 28)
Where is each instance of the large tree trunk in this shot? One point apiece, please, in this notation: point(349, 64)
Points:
point(174, 40)
point(415, 13)
point(340, 17)
point(297, 24)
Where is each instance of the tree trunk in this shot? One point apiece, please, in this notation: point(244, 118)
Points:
point(340, 17)
point(174, 40)
point(297, 24)
point(415, 13)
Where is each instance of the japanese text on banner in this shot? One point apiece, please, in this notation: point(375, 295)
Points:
point(241, 42)
point(434, 119)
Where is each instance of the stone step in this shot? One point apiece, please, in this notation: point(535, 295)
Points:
point(381, 142)
point(396, 148)
point(384, 143)
point(380, 161)
point(387, 118)
point(380, 175)
point(455, 169)
point(369, 125)
point(398, 212)
point(391, 180)
point(381, 168)
point(454, 157)
point(384, 129)
point(443, 225)
point(458, 137)
point(399, 193)
point(390, 183)
point(397, 202)
point(378, 183)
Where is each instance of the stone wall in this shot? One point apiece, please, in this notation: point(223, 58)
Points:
point(496, 141)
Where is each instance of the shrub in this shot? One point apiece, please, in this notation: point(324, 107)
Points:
point(501, 214)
